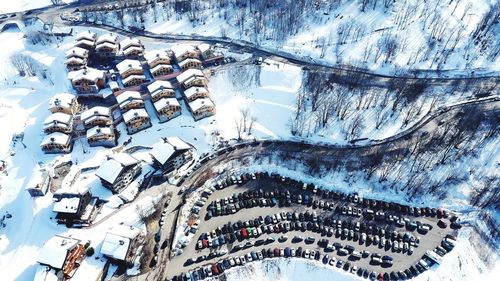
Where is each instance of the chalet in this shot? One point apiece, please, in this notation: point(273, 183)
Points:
point(201, 108)
point(97, 116)
point(59, 258)
point(195, 93)
point(184, 51)
point(122, 243)
point(74, 205)
point(190, 63)
point(39, 183)
point(134, 80)
point(65, 103)
point(132, 47)
point(76, 58)
point(87, 81)
point(161, 69)
point(56, 143)
point(205, 50)
point(155, 58)
point(58, 122)
point(167, 109)
point(129, 67)
point(161, 89)
point(129, 100)
point(118, 171)
point(170, 154)
point(107, 45)
point(101, 136)
point(136, 120)
point(86, 40)
point(192, 77)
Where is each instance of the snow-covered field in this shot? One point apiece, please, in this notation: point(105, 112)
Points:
point(23, 5)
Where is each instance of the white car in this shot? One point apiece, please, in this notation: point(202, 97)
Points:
point(306, 254)
point(243, 261)
point(313, 254)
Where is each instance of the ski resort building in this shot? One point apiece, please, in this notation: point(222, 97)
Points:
point(65, 103)
point(129, 100)
point(161, 89)
point(59, 258)
point(167, 109)
point(170, 154)
point(87, 81)
point(101, 136)
point(192, 77)
point(136, 120)
point(56, 143)
point(201, 108)
point(76, 58)
point(58, 122)
point(97, 116)
point(122, 243)
point(132, 47)
point(107, 45)
point(118, 171)
point(86, 40)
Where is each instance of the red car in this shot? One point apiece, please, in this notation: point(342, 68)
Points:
point(204, 242)
point(244, 233)
point(215, 270)
point(276, 228)
point(276, 252)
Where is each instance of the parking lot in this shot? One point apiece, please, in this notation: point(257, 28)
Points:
point(271, 216)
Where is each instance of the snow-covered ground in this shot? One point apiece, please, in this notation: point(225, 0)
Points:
point(23, 5)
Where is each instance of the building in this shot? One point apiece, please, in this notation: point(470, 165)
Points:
point(107, 45)
point(161, 89)
point(192, 77)
point(63, 102)
point(190, 63)
point(205, 51)
point(201, 108)
point(131, 72)
point(97, 116)
point(87, 81)
point(74, 206)
point(58, 122)
point(61, 256)
point(170, 154)
point(118, 171)
point(56, 143)
point(184, 51)
point(129, 100)
point(122, 243)
point(39, 183)
point(195, 92)
point(167, 109)
point(155, 58)
point(136, 120)
point(101, 136)
point(113, 85)
point(86, 40)
point(132, 47)
point(76, 58)
point(161, 69)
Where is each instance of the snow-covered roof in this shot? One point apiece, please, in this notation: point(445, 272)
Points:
point(112, 167)
point(178, 143)
point(128, 95)
point(131, 114)
point(188, 73)
point(105, 45)
point(62, 99)
point(186, 61)
point(56, 137)
point(95, 111)
point(77, 51)
point(55, 251)
point(67, 205)
point(113, 85)
point(87, 42)
point(58, 117)
point(164, 102)
point(132, 49)
point(128, 64)
point(151, 56)
point(195, 90)
point(199, 103)
point(88, 73)
point(164, 149)
point(159, 85)
point(160, 66)
point(130, 42)
point(88, 35)
point(74, 60)
point(107, 37)
point(132, 77)
point(96, 131)
point(204, 47)
point(180, 49)
point(117, 241)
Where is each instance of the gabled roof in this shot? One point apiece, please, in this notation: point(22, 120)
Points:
point(111, 168)
point(87, 42)
point(58, 117)
point(178, 143)
point(73, 60)
point(68, 205)
point(186, 61)
point(88, 73)
point(133, 113)
point(105, 45)
point(128, 95)
point(127, 64)
point(56, 137)
point(62, 99)
point(200, 103)
point(180, 49)
point(159, 85)
point(97, 131)
point(203, 47)
point(195, 90)
point(55, 251)
point(160, 66)
point(88, 35)
point(132, 49)
point(95, 111)
point(116, 244)
point(132, 77)
point(164, 102)
point(163, 150)
point(107, 37)
point(188, 74)
point(152, 56)
point(77, 51)
point(127, 42)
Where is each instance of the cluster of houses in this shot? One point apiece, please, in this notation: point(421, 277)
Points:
point(194, 85)
point(58, 126)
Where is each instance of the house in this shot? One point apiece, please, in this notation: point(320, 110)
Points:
point(118, 171)
point(136, 120)
point(192, 77)
point(129, 100)
point(161, 89)
point(134, 80)
point(87, 81)
point(58, 122)
point(131, 72)
point(63, 102)
point(107, 45)
point(122, 243)
point(167, 109)
point(86, 40)
point(39, 183)
point(132, 47)
point(195, 93)
point(161, 69)
point(205, 50)
point(76, 58)
point(74, 205)
point(60, 256)
point(97, 116)
point(190, 63)
point(155, 58)
point(101, 136)
point(56, 143)
point(170, 154)
point(184, 51)
point(201, 108)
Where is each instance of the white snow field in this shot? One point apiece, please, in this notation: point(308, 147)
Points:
point(23, 5)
